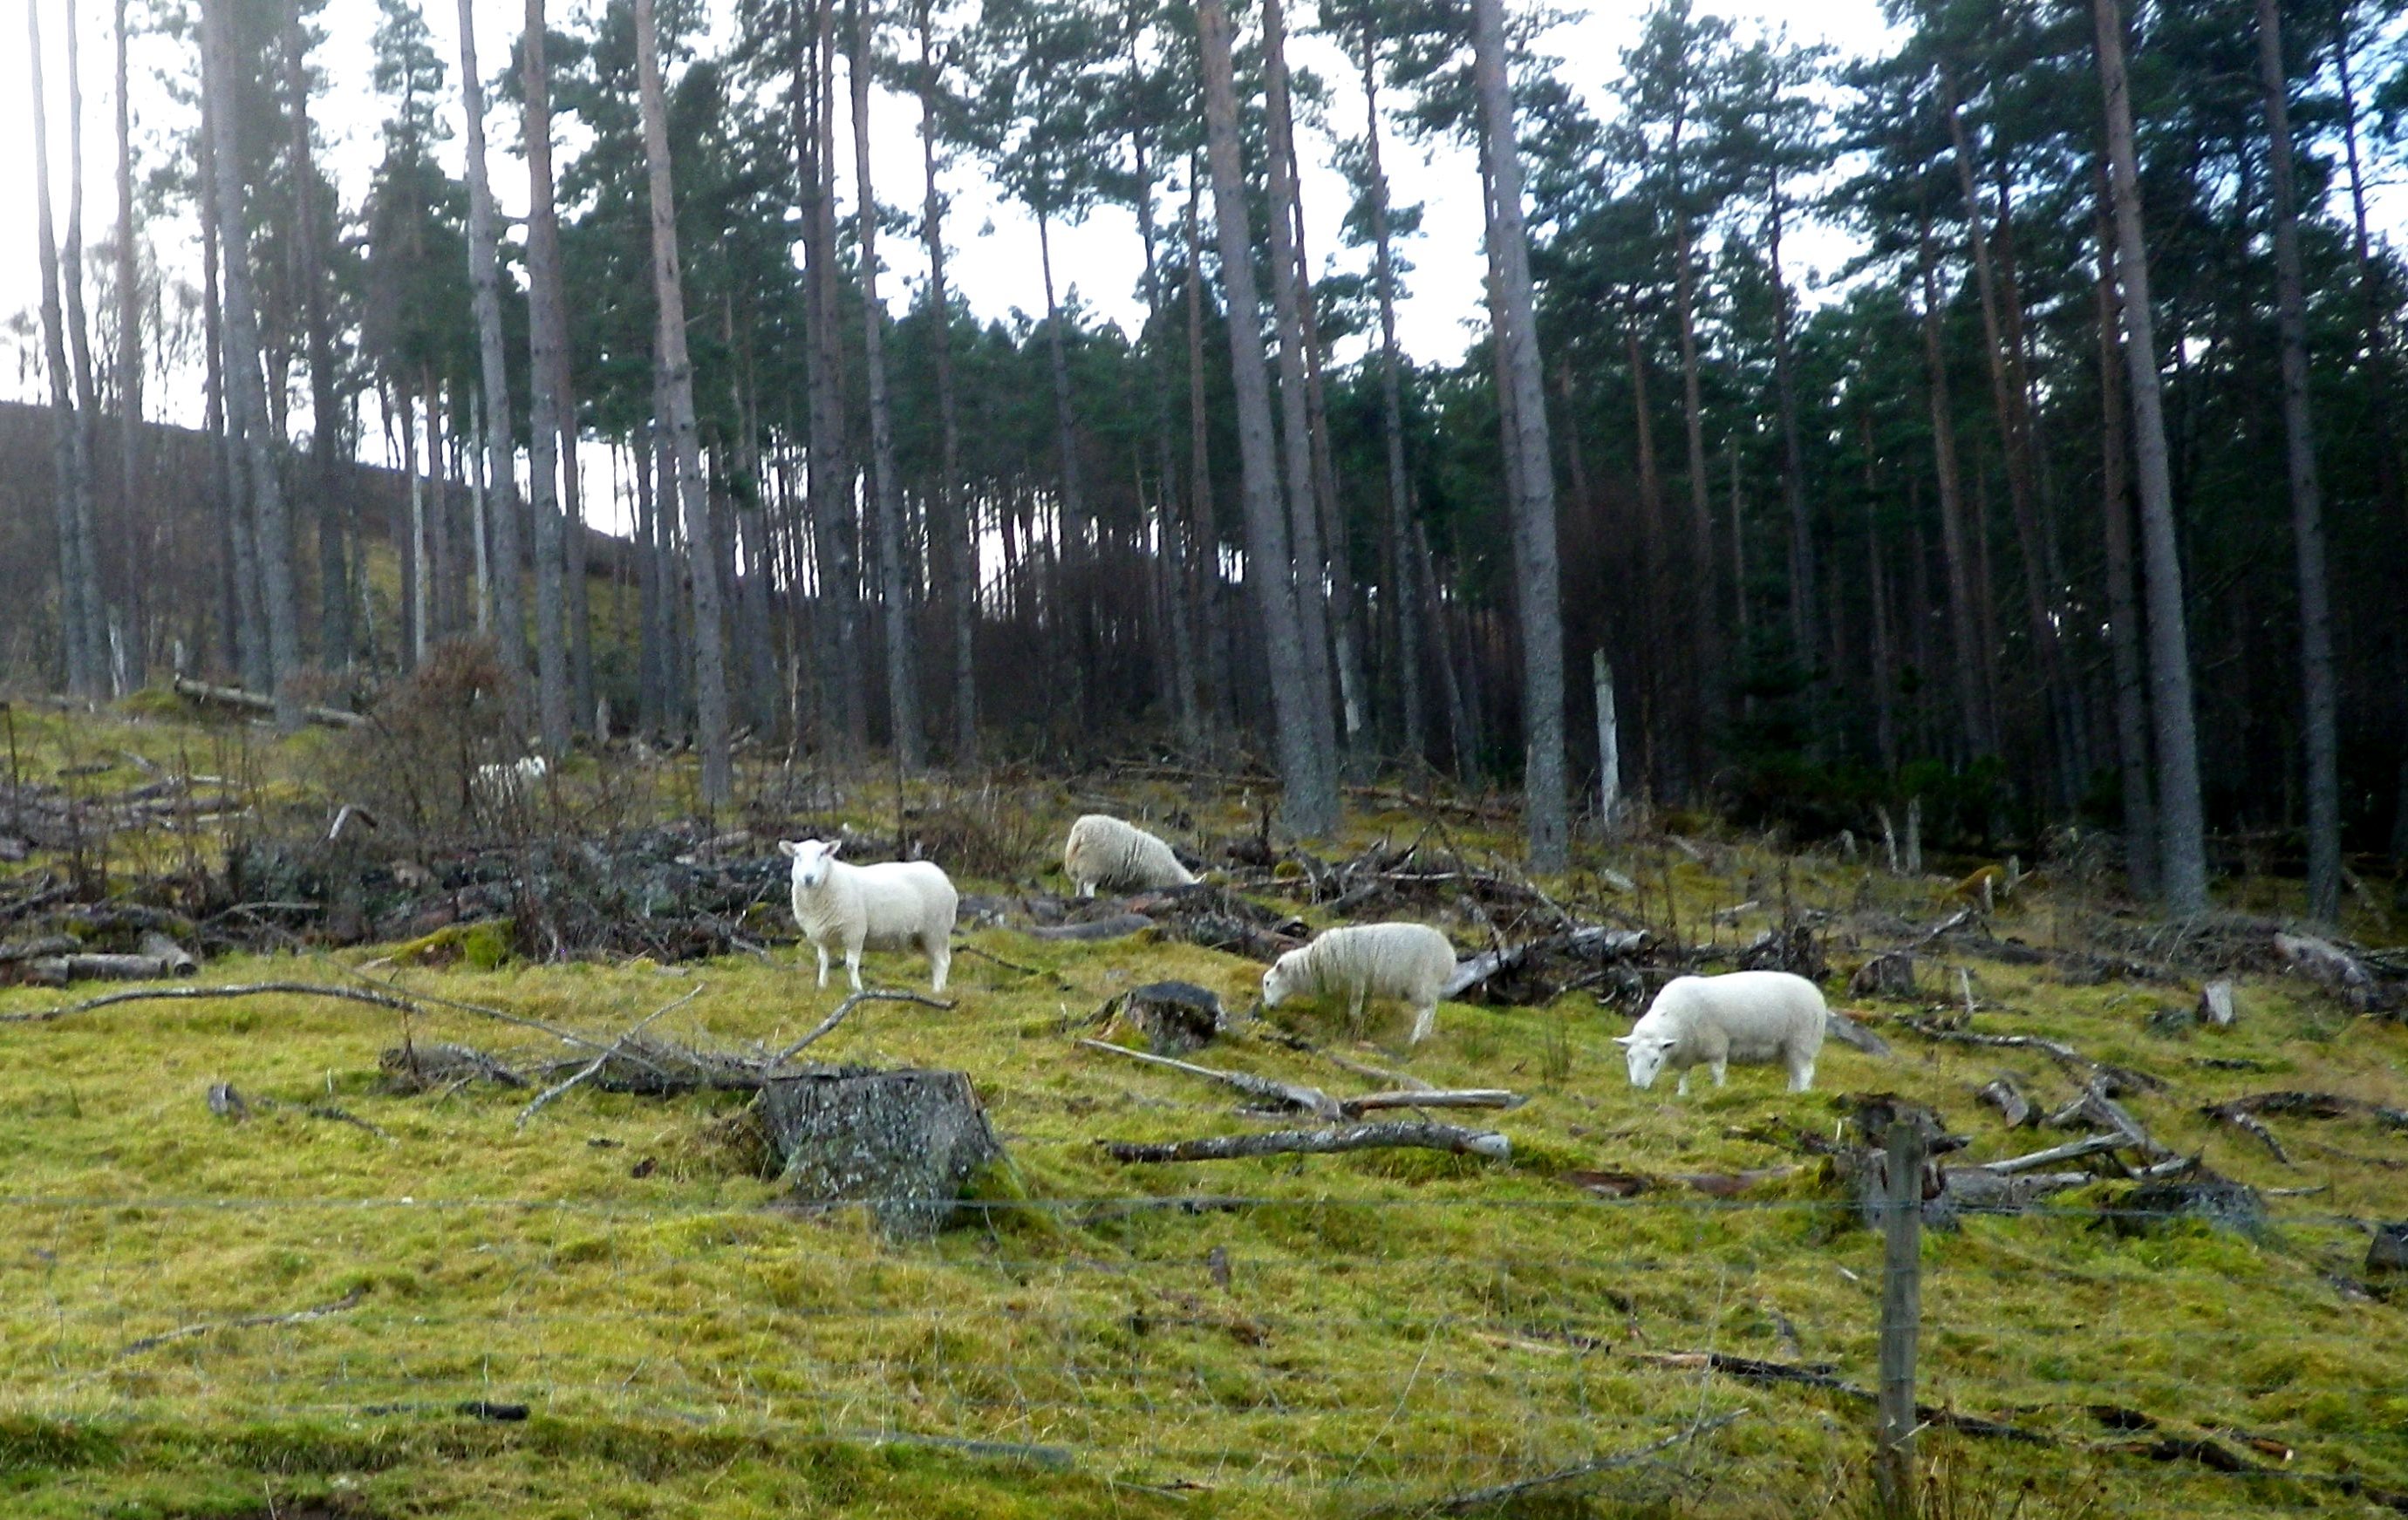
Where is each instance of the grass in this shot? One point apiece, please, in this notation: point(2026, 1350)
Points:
point(1395, 1326)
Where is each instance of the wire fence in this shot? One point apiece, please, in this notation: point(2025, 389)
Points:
point(1380, 1349)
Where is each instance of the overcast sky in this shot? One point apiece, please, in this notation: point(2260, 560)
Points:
point(996, 248)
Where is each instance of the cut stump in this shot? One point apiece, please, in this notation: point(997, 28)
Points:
point(905, 1142)
point(1175, 1017)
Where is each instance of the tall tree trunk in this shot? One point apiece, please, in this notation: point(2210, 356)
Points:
point(1070, 540)
point(1308, 782)
point(1207, 576)
point(87, 415)
point(2007, 393)
point(1537, 579)
point(273, 538)
point(954, 506)
point(133, 517)
point(1704, 648)
point(1170, 548)
point(1793, 457)
point(2307, 496)
point(2381, 360)
point(71, 447)
point(2123, 593)
point(1392, 423)
point(1461, 739)
point(485, 302)
point(547, 354)
point(827, 616)
point(902, 680)
point(1296, 423)
point(1973, 712)
point(2182, 829)
point(234, 628)
point(710, 650)
point(649, 703)
point(325, 421)
point(578, 605)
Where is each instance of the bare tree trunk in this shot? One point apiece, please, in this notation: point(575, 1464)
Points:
point(1545, 807)
point(1973, 713)
point(87, 414)
point(648, 703)
point(71, 449)
point(902, 680)
point(548, 360)
point(1296, 423)
point(334, 577)
point(2123, 593)
point(953, 506)
point(1460, 737)
point(710, 652)
point(2182, 819)
point(234, 630)
point(578, 608)
point(1793, 458)
point(274, 539)
point(1310, 805)
point(2307, 495)
point(1170, 548)
point(1392, 419)
point(1207, 575)
point(1704, 647)
point(133, 516)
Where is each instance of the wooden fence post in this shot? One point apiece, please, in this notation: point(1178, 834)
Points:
point(1901, 1316)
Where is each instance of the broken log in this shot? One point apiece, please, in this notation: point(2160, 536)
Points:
point(179, 960)
point(906, 1143)
point(1305, 1099)
point(1434, 1137)
point(1983, 1190)
point(415, 1067)
point(2243, 1113)
point(1848, 1032)
point(252, 702)
point(2074, 1151)
point(1751, 1370)
point(1114, 927)
point(2118, 1079)
point(1423, 1097)
point(1595, 941)
point(1175, 1017)
point(63, 970)
point(2215, 1005)
point(2004, 1096)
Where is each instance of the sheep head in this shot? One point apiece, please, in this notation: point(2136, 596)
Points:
point(811, 860)
point(1645, 1056)
point(1281, 979)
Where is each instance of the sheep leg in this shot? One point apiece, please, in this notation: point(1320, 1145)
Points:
point(940, 960)
point(1721, 1070)
point(1086, 889)
point(852, 961)
point(1801, 1075)
point(1355, 1014)
point(1683, 1091)
point(823, 963)
point(1425, 1018)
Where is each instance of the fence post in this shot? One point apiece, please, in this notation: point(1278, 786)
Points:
point(1901, 1315)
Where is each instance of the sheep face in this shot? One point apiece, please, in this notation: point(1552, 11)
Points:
point(1281, 979)
point(1645, 1054)
point(813, 859)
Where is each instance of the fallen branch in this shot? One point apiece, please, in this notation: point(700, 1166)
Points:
point(1009, 966)
point(1749, 1368)
point(1310, 1100)
point(397, 1002)
point(867, 995)
point(1848, 1032)
point(2242, 1114)
point(595, 1064)
point(1481, 1499)
point(2121, 1076)
point(2072, 1152)
point(252, 702)
point(1113, 928)
point(247, 1322)
point(1433, 1137)
point(2003, 1095)
point(1595, 939)
point(1425, 1098)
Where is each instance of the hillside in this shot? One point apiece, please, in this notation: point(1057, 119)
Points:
point(363, 1301)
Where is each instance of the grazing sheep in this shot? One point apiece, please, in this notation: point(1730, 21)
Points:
point(1753, 1017)
point(509, 780)
point(1411, 962)
point(1104, 852)
point(890, 905)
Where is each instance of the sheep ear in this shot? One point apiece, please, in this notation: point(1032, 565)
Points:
point(789, 848)
point(1626, 1040)
point(832, 846)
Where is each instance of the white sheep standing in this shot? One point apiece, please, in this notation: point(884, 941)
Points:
point(890, 906)
point(509, 780)
point(1105, 852)
point(1411, 962)
point(1755, 1018)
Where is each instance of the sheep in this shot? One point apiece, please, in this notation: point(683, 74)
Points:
point(510, 780)
point(1411, 962)
point(1104, 852)
point(1752, 1017)
point(883, 907)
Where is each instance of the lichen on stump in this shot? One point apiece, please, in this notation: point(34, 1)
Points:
point(904, 1142)
point(1175, 1017)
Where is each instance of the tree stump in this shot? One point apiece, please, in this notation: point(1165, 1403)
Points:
point(2388, 1253)
point(2202, 1196)
point(903, 1143)
point(1890, 974)
point(1175, 1017)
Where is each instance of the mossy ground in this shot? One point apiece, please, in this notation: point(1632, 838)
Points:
point(1394, 1326)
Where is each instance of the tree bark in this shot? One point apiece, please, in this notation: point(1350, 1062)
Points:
point(1793, 457)
point(273, 544)
point(2307, 495)
point(1296, 425)
point(2123, 593)
point(71, 449)
point(132, 515)
point(1170, 555)
point(1971, 710)
point(2183, 831)
point(953, 506)
point(710, 650)
point(902, 681)
point(1309, 806)
point(835, 643)
point(1704, 645)
point(547, 367)
point(1392, 424)
point(1207, 573)
point(87, 413)
point(333, 577)
point(1544, 805)
point(576, 606)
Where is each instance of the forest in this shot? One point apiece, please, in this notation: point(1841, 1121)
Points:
point(2071, 507)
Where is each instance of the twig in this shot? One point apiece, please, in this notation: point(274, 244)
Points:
point(1009, 966)
point(1312, 1101)
point(1930, 1029)
point(1481, 1499)
point(1423, 1098)
point(868, 995)
point(1318, 1143)
point(247, 1322)
point(400, 1003)
point(595, 1064)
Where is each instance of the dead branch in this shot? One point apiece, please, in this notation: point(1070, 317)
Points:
point(1433, 1137)
point(252, 702)
point(2122, 1077)
point(991, 955)
point(1460, 1097)
point(1113, 928)
point(2003, 1095)
point(595, 1064)
point(1593, 939)
point(1848, 1032)
point(2072, 1151)
point(1310, 1100)
point(867, 995)
point(2094, 1106)
point(1749, 1368)
point(2242, 1114)
point(397, 1002)
point(246, 1322)
point(1481, 1499)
